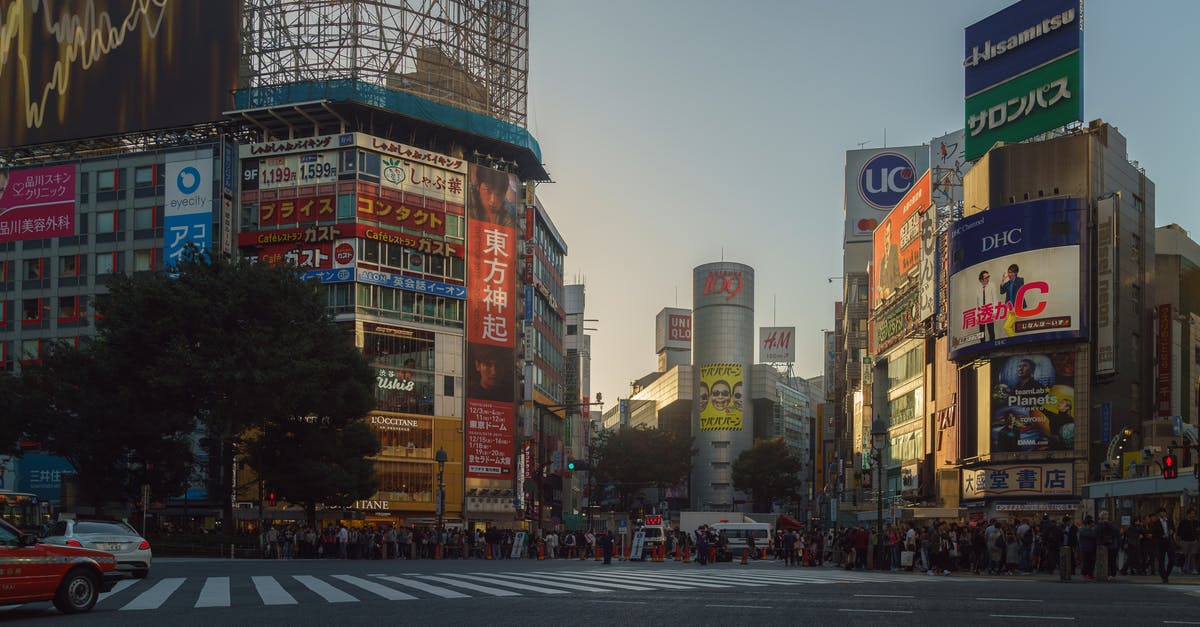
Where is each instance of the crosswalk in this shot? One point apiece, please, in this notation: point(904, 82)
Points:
point(281, 590)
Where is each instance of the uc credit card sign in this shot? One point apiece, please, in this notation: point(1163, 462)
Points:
point(188, 207)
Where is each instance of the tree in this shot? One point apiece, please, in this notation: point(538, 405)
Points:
point(769, 472)
point(639, 458)
point(244, 347)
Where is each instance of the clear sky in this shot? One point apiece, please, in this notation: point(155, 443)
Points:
point(686, 131)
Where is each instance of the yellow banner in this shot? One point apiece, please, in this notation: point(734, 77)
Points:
point(721, 397)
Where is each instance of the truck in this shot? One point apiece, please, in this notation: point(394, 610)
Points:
point(690, 521)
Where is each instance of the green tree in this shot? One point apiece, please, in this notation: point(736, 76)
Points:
point(769, 472)
point(246, 348)
point(632, 460)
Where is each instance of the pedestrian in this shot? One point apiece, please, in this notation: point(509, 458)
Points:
point(1163, 531)
point(551, 545)
point(606, 546)
point(1106, 548)
point(1088, 543)
point(1068, 537)
point(702, 546)
point(789, 548)
point(343, 541)
point(1189, 542)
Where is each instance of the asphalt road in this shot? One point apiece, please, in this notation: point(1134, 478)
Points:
point(182, 592)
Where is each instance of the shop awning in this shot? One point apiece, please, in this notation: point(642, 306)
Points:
point(787, 522)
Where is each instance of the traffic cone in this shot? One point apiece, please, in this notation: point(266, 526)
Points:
point(597, 553)
point(744, 561)
point(687, 555)
point(541, 551)
point(763, 555)
point(489, 551)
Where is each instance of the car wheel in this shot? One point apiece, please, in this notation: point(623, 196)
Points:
point(77, 592)
point(141, 574)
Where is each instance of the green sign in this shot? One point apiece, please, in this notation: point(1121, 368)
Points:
point(573, 522)
point(1035, 102)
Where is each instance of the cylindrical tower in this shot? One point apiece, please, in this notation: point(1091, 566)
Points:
point(722, 354)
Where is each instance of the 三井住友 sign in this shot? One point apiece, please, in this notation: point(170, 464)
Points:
point(1018, 480)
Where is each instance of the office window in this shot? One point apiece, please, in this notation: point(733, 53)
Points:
point(143, 260)
point(4, 312)
point(106, 263)
point(143, 218)
point(106, 221)
point(33, 269)
point(31, 349)
point(68, 265)
point(143, 176)
point(31, 309)
point(68, 308)
point(106, 180)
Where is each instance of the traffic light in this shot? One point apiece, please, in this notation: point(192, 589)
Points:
point(578, 464)
point(271, 498)
point(1169, 469)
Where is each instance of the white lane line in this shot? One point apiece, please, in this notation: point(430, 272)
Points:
point(153, 598)
point(885, 596)
point(424, 587)
point(509, 584)
point(877, 611)
point(215, 593)
point(752, 607)
point(327, 592)
point(1032, 616)
point(1182, 622)
point(496, 592)
point(370, 586)
point(1010, 600)
point(612, 601)
point(548, 582)
point(271, 592)
point(121, 585)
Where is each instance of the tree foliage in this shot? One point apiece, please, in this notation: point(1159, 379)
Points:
point(769, 472)
point(635, 459)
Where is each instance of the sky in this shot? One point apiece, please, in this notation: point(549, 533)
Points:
point(683, 132)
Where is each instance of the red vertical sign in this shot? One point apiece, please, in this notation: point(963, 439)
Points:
point(1164, 360)
point(491, 325)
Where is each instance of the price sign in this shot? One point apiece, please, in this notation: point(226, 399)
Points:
point(320, 167)
point(276, 172)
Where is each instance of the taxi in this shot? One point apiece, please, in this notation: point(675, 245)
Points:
point(72, 578)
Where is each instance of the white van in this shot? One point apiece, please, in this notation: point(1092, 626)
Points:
point(737, 533)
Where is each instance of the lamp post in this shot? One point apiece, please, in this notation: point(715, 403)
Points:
point(879, 435)
point(441, 458)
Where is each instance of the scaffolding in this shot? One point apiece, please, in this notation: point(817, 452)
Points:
point(469, 54)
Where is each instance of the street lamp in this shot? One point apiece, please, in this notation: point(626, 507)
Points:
point(441, 458)
point(879, 436)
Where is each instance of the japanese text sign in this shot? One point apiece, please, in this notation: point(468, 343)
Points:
point(1056, 479)
point(37, 203)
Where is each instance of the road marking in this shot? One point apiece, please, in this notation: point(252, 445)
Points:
point(496, 592)
point(1003, 599)
point(877, 611)
point(327, 592)
point(271, 592)
point(612, 601)
point(638, 579)
point(885, 596)
point(424, 587)
point(598, 580)
point(370, 586)
point(121, 585)
point(509, 584)
point(215, 593)
point(1032, 616)
point(752, 607)
point(549, 582)
point(153, 598)
point(1182, 622)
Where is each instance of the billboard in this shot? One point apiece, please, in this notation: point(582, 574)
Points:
point(777, 344)
point(673, 329)
point(1022, 71)
point(948, 162)
point(85, 68)
point(897, 242)
point(927, 277)
point(1055, 479)
point(1032, 403)
point(1107, 311)
point(721, 396)
point(1163, 354)
point(1017, 275)
point(491, 324)
point(187, 207)
point(37, 203)
point(876, 180)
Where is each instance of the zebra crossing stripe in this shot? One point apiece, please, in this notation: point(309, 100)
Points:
point(327, 592)
point(271, 592)
point(370, 586)
point(598, 580)
point(424, 587)
point(510, 584)
point(642, 580)
point(551, 582)
point(121, 585)
point(496, 592)
point(215, 593)
point(153, 598)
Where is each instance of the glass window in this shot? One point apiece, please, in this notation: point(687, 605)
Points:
point(105, 263)
point(370, 250)
point(31, 309)
point(454, 226)
point(106, 180)
point(395, 256)
point(106, 222)
point(143, 218)
point(68, 265)
point(33, 269)
point(143, 176)
point(143, 260)
point(68, 307)
point(403, 481)
point(31, 349)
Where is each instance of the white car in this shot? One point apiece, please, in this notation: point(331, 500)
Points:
point(111, 536)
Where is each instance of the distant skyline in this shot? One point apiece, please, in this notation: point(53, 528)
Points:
point(681, 133)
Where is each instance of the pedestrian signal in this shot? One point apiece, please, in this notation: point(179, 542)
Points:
point(271, 499)
point(1169, 469)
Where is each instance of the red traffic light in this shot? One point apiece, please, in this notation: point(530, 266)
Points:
point(1169, 469)
point(271, 499)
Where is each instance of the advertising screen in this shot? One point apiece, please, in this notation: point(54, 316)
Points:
point(721, 395)
point(491, 323)
point(1017, 275)
point(188, 207)
point(876, 180)
point(37, 203)
point(897, 241)
point(1033, 400)
point(125, 65)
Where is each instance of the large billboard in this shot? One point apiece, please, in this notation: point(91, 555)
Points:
point(897, 242)
point(188, 206)
point(673, 329)
point(1033, 403)
point(37, 203)
point(876, 180)
point(1022, 70)
point(491, 323)
point(948, 163)
point(721, 396)
point(85, 68)
point(777, 345)
point(1018, 275)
